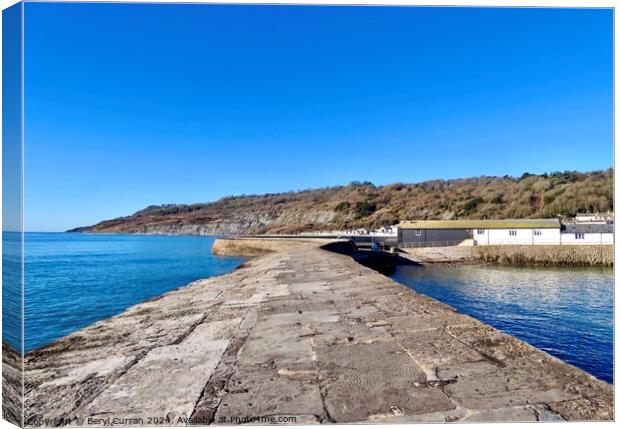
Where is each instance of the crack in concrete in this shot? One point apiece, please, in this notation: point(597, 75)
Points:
point(70, 415)
point(208, 402)
point(191, 329)
point(488, 357)
point(326, 417)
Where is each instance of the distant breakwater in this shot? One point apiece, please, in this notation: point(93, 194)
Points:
point(250, 247)
point(383, 262)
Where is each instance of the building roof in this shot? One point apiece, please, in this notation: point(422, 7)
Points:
point(588, 228)
point(481, 224)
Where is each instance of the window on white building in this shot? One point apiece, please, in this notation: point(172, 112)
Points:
point(481, 232)
point(418, 232)
point(579, 236)
point(512, 232)
point(537, 232)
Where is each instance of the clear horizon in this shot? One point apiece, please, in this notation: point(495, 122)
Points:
point(131, 105)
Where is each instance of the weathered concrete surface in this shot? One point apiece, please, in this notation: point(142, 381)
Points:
point(12, 393)
point(240, 246)
point(304, 334)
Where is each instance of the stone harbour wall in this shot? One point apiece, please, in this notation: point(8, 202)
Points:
point(300, 335)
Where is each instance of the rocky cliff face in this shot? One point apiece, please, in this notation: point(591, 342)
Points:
point(249, 223)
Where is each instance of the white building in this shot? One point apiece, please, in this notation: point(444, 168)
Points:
point(587, 233)
point(435, 233)
point(524, 231)
point(478, 232)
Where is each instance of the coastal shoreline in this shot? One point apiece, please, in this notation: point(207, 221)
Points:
point(294, 323)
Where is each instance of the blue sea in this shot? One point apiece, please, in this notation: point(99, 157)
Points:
point(74, 280)
point(12, 288)
point(566, 312)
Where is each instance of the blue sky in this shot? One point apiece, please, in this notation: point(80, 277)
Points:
point(11, 119)
point(132, 105)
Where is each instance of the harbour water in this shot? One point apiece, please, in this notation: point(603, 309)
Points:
point(74, 280)
point(565, 312)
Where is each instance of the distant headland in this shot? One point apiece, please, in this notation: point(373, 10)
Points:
point(364, 205)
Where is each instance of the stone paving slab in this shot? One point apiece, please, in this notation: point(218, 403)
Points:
point(163, 384)
point(259, 391)
point(305, 336)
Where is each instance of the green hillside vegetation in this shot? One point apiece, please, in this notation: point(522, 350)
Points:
point(362, 204)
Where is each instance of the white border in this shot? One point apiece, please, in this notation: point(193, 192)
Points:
point(480, 3)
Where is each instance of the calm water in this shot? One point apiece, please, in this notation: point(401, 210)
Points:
point(73, 280)
point(566, 312)
point(11, 288)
